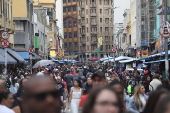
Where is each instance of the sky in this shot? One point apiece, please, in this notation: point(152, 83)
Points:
point(118, 12)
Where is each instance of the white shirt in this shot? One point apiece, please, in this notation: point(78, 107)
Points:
point(142, 98)
point(4, 109)
point(154, 84)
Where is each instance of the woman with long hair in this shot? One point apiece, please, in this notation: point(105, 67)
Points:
point(20, 89)
point(138, 101)
point(75, 96)
point(103, 100)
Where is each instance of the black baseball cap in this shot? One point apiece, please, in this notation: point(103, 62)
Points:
point(98, 74)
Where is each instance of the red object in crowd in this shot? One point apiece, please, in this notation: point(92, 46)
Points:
point(94, 59)
point(73, 73)
point(83, 99)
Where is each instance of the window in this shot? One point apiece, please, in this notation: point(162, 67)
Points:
point(75, 24)
point(51, 26)
point(106, 11)
point(19, 25)
point(64, 1)
point(64, 9)
point(87, 30)
point(86, 2)
point(100, 20)
point(106, 29)
point(87, 39)
point(65, 35)
point(92, 10)
point(87, 47)
point(65, 25)
point(74, 0)
point(74, 8)
point(86, 11)
point(100, 29)
point(87, 20)
point(75, 34)
point(70, 34)
point(68, 9)
point(100, 11)
point(100, 2)
point(106, 2)
point(106, 20)
point(69, 1)
point(69, 24)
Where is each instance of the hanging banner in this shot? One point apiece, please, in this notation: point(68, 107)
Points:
point(145, 54)
point(100, 42)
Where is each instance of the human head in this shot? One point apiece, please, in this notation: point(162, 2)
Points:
point(77, 83)
point(6, 98)
point(102, 100)
point(99, 79)
point(155, 76)
point(139, 89)
point(148, 78)
point(41, 96)
point(59, 79)
point(153, 101)
point(137, 73)
point(3, 86)
point(118, 88)
point(163, 106)
point(89, 81)
point(72, 70)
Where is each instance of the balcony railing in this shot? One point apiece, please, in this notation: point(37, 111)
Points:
point(82, 15)
point(93, 23)
point(94, 33)
point(93, 14)
point(93, 5)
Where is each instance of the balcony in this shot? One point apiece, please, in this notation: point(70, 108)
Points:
point(83, 42)
point(82, 15)
point(82, 6)
point(93, 33)
point(93, 14)
point(93, 5)
point(94, 42)
point(93, 24)
point(82, 24)
point(83, 33)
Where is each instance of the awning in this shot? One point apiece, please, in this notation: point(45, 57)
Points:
point(10, 60)
point(2, 59)
point(130, 60)
point(73, 56)
point(107, 58)
point(24, 55)
point(38, 57)
point(15, 55)
point(122, 58)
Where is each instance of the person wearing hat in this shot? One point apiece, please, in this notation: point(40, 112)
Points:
point(98, 79)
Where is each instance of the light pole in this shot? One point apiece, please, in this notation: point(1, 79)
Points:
point(166, 43)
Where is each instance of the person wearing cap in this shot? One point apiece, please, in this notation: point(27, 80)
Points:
point(98, 79)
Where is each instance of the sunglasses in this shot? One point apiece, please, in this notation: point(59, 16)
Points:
point(43, 96)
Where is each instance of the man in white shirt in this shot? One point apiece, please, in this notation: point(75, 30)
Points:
point(155, 83)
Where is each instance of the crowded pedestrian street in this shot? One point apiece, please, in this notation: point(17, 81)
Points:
point(84, 56)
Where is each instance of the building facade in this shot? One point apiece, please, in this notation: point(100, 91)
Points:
point(8, 23)
point(70, 21)
point(24, 30)
point(53, 35)
point(95, 19)
point(41, 29)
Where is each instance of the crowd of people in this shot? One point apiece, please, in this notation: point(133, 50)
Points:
point(83, 88)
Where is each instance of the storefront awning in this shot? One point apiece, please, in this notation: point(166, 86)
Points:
point(10, 60)
point(2, 59)
point(24, 55)
point(15, 55)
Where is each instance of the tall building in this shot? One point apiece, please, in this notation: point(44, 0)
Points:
point(145, 25)
point(24, 30)
point(95, 19)
point(53, 36)
point(10, 26)
point(70, 21)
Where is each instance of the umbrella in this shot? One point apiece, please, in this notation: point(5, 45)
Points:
point(43, 63)
point(94, 59)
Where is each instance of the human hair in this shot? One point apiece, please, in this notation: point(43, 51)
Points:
point(137, 100)
point(21, 85)
point(90, 102)
point(155, 76)
point(153, 100)
point(78, 81)
point(163, 104)
point(4, 95)
point(115, 82)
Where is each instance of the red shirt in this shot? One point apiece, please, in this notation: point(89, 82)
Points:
point(83, 99)
point(73, 73)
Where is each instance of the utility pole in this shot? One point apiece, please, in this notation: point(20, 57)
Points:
point(5, 50)
point(166, 43)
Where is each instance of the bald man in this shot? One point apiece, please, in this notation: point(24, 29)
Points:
point(15, 106)
point(41, 96)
